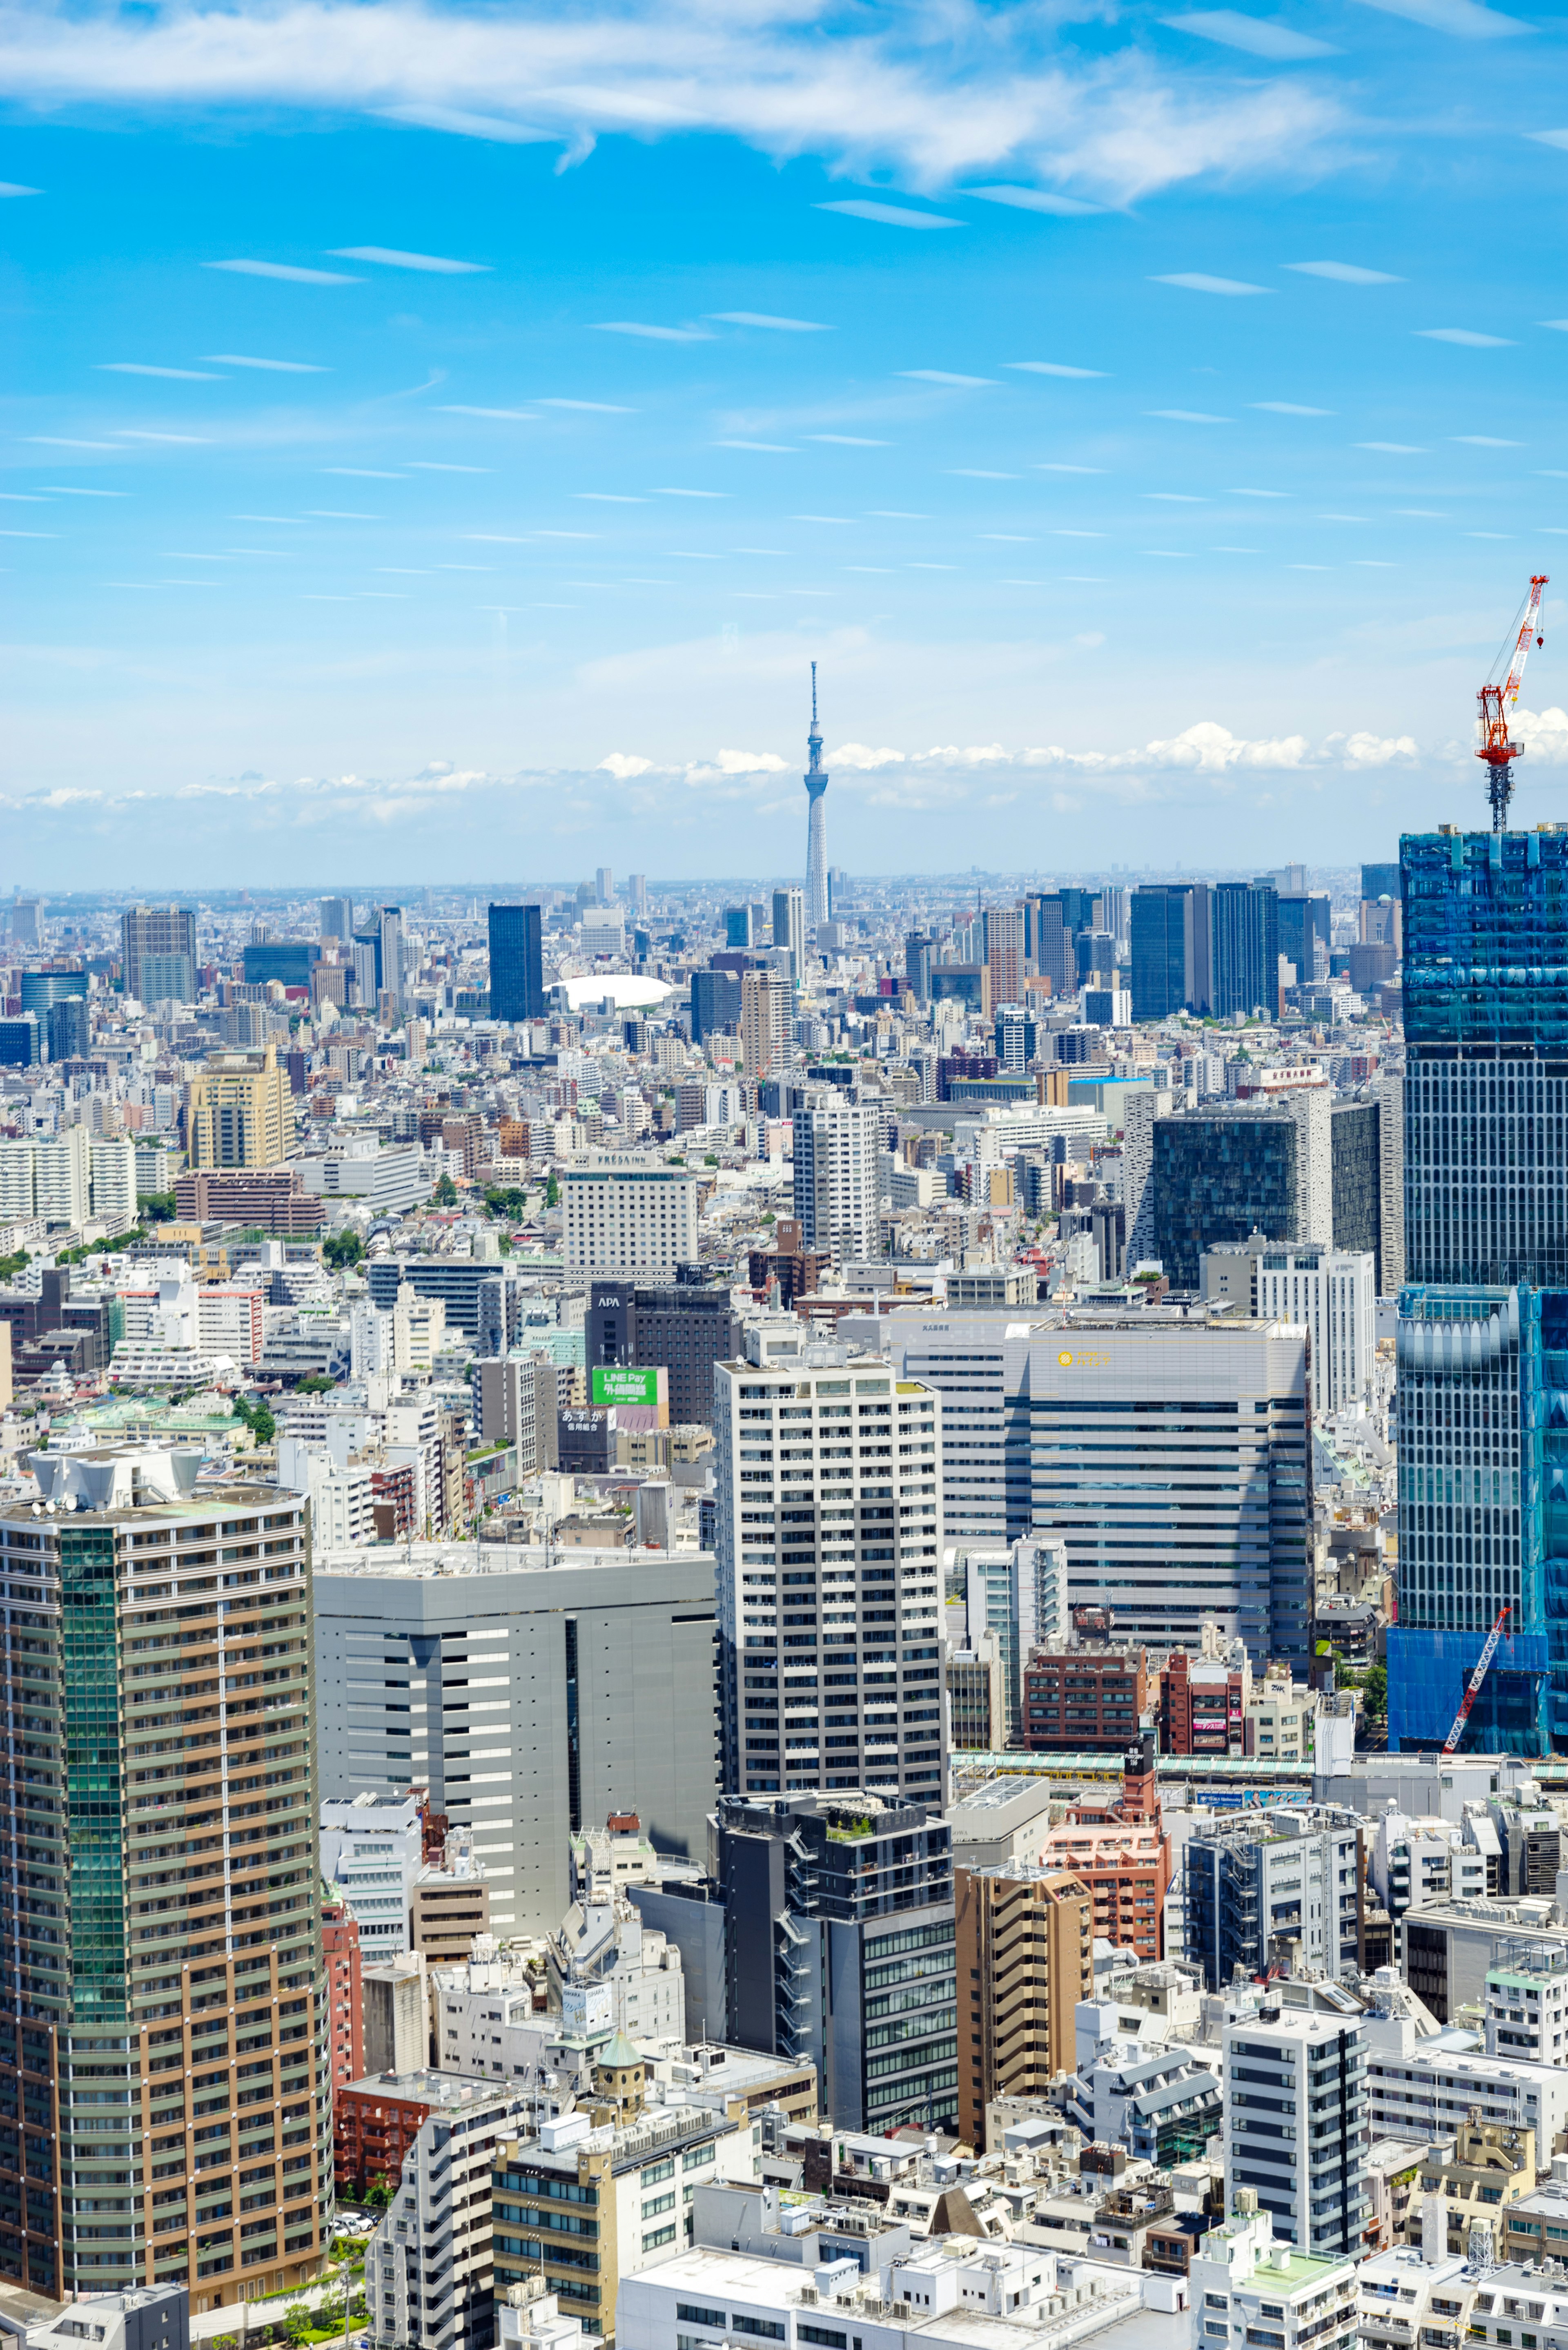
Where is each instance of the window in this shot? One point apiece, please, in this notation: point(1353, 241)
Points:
point(765, 2328)
point(690, 2313)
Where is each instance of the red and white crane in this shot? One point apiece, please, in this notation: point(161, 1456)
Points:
point(1472, 1688)
point(1497, 703)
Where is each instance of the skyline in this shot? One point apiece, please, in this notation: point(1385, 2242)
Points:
point(1140, 415)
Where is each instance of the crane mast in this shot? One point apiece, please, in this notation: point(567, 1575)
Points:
point(1496, 705)
point(1473, 1688)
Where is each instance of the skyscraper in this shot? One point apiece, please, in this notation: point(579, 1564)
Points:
point(389, 920)
point(158, 953)
point(516, 963)
point(338, 918)
point(847, 1533)
point(1244, 951)
point(1004, 953)
point(126, 1962)
point(789, 930)
point(767, 1007)
point(838, 1178)
point(817, 821)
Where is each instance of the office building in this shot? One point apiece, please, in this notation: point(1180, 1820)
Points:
point(554, 1688)
point(738, 928)
point(337, 919)
point(1257, 1885)
point(1024, 1947)
point(1331, 1290)
point(515, 1401)
point(838, 1178)
point(67, 1027)
point(516, 962)
point(686, 1329)
point(1357, 1145)
point(109, 1973)
point(627, 1220)
point(1014, 1034)
point(1208, 1514)
point(158, 953)
point(1019, 1596)
point(1169, 946)
point(372, 1850)
point(1226, 1171)
point(22, 1041)
point(716, 1001)
point(1380, 880)
point(444, 2298)
point(290, 961)
point(1311, 2183)
point(239, 1111)
point(632, 2163)
point(390, 953)
point(1245, 950)
point(1082, 1700)
point(1391, 1185)
point(1486, 1079)
point(1004, 953)
point(41, 990)
point(918, 952)
point(767, 1024)
point(827, 1472)
point(789, 931)
point(856, 1894)
point(1306, 929)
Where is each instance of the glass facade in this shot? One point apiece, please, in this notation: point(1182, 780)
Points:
point(1220, 1177)
point(1159, 916)
point(1244, 953)
point(1358, 1181)
point(1482, 1403)
point(94, 1789)
point(1486, 1086)
point(516, 963)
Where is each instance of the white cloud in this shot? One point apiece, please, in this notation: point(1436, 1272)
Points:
point(286, 271)
point(934, 96)
point(1053, 367)
point(1186, 416)
point(859, 758)
point(762, 318)
point(1464, 18)
point(1466, 336)
point(14, 188)
point(649, 334)
point(1033, 200)
point(1544, 734)
point(1343, 273)
point(1257, 35)
point(1195, 281)
point(623, 765)
point(273, 366)
point(389, 258)
point(135, 367)
point(943, 376)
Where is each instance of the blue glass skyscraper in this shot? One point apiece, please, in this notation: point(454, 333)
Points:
point(516, 963)
point(1483, 1330)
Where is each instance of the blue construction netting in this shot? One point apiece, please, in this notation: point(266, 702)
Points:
point(1426, 1676)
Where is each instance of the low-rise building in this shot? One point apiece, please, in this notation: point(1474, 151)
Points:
point(1244, 2283)
point(1472, 2175)
point(1025, 1959)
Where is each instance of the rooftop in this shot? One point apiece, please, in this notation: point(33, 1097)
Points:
point(426, 2088)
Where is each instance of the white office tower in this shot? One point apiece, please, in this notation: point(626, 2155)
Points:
point(1296, 2126)
point(628, 1220)
point(1331, 1292)
point(534, 1692)
point(828, 1474)
point(1019, 1594)
point(390, 922)
point(838, 1187)
point(789, 930)
point(338, 918)
point(817, 908)
point(1170, 1455)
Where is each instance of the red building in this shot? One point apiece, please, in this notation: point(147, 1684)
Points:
point(375, 2123)
point(1117, 1845)
point(1202, 1705)
point(345, 1993)
point(1083, 1701)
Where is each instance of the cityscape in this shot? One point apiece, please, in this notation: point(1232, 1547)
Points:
point(784, 1178)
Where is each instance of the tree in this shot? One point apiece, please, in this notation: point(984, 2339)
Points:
point(256, 1417)
point(315, 1383)
point(158, 1207)
point(445, 1194)
point(341, 1250)
point(1375, 1691)
point(377, 2195)
point(552, 1191)
point(296, 2320)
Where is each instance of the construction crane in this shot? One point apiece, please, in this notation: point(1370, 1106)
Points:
point(1472, 1690)
point(1497, 704)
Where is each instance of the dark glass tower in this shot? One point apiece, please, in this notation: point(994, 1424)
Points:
point(1244, 953)
point(516, 963)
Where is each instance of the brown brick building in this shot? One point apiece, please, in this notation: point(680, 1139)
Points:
point(1084, 1701)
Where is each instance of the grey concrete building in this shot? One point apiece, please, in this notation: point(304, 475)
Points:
point(531, 1697)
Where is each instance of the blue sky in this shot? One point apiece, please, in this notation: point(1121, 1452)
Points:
point(440, 438)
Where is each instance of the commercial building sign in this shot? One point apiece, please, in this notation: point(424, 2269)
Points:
point(615, 1383)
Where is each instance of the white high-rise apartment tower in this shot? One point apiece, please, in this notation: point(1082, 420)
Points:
point(828, 1478)
point(789, 930)
point(838, 1178)
point(816, 820)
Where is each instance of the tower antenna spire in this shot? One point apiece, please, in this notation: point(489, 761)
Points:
point(817, 906)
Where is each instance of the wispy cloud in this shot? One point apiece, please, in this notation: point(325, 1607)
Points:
point(1288, 408)
point(435, 263)
point(889, 216)
point(139, 367)
point(14, 188)
point(1343, 273)
point(272, 366)
point(943, 376)
point(286, 270)
point(1055, 367)
point(1196, 281)
point(1465, 19)
point(1187, 416)
point(496, 415)
point(1035, 200)
point(652, 334)
point(1466, 336)
point(1257, 37)
point(762, 318)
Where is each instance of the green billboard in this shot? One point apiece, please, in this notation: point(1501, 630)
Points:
point(614, 1384)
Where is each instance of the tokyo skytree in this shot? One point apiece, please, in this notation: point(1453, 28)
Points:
point(817, 906)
